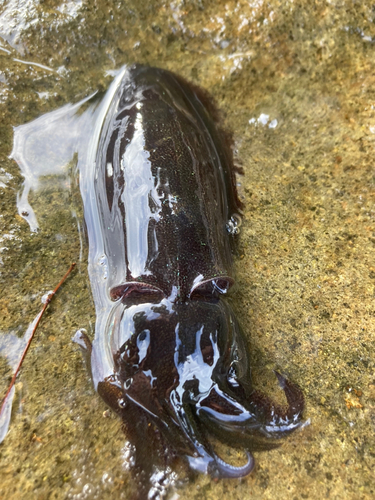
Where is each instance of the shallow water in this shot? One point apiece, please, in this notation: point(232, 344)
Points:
point(295, 83)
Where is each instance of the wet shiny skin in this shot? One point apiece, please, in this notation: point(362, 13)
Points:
point(170, 352)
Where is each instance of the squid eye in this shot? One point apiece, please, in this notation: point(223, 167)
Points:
point(212, 289)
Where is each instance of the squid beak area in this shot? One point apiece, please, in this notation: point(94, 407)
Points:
point(176, 432)
point(204, 459)
point(181, 426)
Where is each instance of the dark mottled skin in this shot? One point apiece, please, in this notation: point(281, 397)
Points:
point(165, 191)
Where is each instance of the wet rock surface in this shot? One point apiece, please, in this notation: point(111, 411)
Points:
point(295, 84)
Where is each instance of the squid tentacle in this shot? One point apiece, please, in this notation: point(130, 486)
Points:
point(225, 470)
point(255, 417)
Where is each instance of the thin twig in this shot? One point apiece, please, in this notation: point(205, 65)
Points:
point(39, 317)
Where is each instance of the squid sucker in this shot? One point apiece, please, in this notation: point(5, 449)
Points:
point(169, 356)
